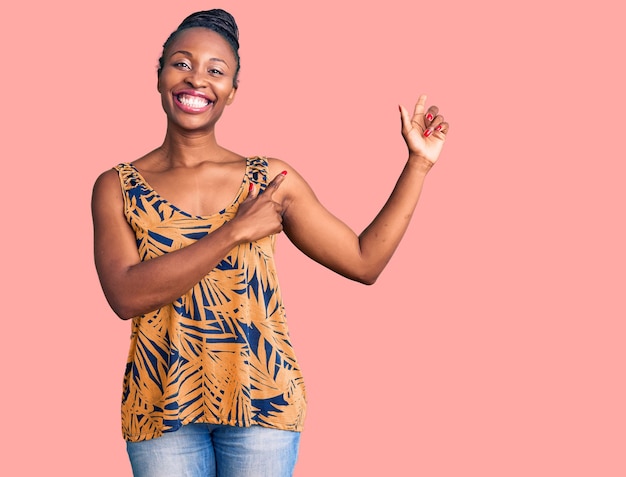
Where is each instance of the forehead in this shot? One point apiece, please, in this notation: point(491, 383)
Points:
point(199, 40)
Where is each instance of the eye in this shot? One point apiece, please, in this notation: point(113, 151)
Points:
point(215, 71)
point(182, 64)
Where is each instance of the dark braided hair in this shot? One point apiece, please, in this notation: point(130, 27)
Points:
point(217, 20)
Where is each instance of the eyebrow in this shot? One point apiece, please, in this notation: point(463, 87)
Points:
point(186, 53)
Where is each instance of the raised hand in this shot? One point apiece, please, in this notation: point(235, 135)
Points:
point(259, 215)
point(425, 132)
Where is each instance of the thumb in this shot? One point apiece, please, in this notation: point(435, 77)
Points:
point(405, 120)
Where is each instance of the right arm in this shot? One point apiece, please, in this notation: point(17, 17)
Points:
point(133, 287)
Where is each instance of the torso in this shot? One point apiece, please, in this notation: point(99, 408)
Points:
point(227, 333)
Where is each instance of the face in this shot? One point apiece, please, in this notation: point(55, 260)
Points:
point(196, 82)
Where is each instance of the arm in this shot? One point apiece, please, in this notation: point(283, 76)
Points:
point(332, 243)
point(133, 287)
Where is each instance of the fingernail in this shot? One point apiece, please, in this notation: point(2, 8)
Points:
point(438, 128)
point(251, 187)
point(428, 132)
point(429, 117)
point(284, 173)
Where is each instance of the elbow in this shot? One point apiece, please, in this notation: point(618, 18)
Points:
point(130, 309)
point(123, 312)
point(363, 274)
point(124, 316)
point(366, 278)
point(127, 301)
point(130, 304)
point(124, 299)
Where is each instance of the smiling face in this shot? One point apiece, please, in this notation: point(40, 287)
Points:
point(197, 79)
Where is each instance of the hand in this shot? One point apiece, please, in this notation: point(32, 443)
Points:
point(425, 132)
point(259, 215)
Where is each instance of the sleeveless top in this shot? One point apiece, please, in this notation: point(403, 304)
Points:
point(221, 353)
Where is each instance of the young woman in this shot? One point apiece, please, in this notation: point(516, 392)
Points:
point(184, 241)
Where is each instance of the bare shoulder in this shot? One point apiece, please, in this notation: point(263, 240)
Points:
point(293, 182)
point(108, 183)
point(294, 191)
point(277, 166)
point(106, 190)
point(105, 180)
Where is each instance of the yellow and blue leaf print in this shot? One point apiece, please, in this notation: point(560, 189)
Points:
point(220, 353)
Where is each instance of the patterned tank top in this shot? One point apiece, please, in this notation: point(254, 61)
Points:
point(221, 353)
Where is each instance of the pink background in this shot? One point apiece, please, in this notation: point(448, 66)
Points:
point(492, 345)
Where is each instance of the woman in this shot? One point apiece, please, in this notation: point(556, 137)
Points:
point(212, 385)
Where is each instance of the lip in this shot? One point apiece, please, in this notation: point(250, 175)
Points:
point(188, 108)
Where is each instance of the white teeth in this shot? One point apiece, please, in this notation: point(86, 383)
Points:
point(193, 101)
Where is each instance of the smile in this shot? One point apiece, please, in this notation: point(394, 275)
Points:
point(195, 102)
point(192, 101)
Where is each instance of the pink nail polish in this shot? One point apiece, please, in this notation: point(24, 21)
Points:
point(429, 117)
point(428, 132)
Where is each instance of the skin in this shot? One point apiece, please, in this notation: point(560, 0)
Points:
point(190, 162)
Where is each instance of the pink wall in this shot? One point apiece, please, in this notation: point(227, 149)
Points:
point(493, 345)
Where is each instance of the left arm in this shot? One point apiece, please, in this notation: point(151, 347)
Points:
point(329, 241)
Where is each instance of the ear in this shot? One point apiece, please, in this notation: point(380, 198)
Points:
point(159, 84)
point(231, 96)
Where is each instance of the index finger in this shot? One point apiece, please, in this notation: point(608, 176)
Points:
point(420, 105)
point(276, 182)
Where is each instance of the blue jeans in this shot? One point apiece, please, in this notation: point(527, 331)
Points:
point(208, 450)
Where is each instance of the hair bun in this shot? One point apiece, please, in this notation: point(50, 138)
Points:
point(216, 19)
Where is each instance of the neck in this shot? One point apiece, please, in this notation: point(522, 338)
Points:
point(189, 148)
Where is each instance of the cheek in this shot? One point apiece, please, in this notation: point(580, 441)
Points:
point(162, 82)
point(166, 79)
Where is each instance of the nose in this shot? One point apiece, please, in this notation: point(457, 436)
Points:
point(196, 79)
